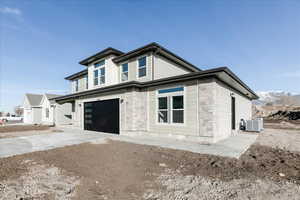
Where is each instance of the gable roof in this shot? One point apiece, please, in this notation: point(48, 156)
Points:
point(158, 49)
point(34, 99)
point(101, 54)
point(77, 75)
point(51, 96)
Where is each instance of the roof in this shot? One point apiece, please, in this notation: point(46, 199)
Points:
point(34, 99)
point(76, 75)
point(158, 49)
point(222, 73)
point(51, 96)
point(101, 54)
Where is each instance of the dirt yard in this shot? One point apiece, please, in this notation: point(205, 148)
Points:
point(25, 130)
point(120, 171)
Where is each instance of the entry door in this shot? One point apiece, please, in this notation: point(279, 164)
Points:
point(102, 116)
point(233, 113)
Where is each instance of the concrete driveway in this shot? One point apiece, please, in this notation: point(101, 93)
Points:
point(234, 146)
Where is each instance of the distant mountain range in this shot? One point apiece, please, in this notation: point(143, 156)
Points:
point(277, 98)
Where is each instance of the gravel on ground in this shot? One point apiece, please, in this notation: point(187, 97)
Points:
point(120, 170)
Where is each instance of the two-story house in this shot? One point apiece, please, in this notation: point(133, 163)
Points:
point(151, 90)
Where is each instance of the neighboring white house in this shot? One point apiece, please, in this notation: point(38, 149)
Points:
point(32, 108)
point(151, 90)
point(40, 109)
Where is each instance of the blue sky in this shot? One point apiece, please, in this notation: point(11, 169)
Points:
point(43, 41)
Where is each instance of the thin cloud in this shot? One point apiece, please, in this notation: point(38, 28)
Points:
point(10, 11)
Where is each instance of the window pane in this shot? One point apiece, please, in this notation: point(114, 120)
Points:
point(125, 76)
point(142, 72)
point(163, 116)
point(162, 103)
point(125, 67)
point(178, 116)
point(142, 62)
point(102, 71)
point(177, 102)
point(96, 73)
point(178, 89)
point(96, 81)
point(98, 64)
point(102, 79)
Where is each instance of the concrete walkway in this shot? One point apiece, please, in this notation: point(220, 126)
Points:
point(234, 146)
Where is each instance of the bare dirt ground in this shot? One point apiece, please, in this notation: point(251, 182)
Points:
point(282, 124)
point(118, 170)
point(25, 130)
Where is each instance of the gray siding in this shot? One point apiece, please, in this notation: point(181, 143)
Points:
point(133, 66)
point(243, 107)
point(207, 111)
point(81, 84)
point(164, 68)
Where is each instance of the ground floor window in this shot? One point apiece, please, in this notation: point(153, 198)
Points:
point(170, 109)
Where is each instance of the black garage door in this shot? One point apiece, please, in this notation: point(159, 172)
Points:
point(102, 116)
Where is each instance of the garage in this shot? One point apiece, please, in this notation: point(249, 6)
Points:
point(102, 116)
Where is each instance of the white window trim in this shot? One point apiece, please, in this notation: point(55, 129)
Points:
point(137, 67)
point(170, 103)
point(158, 110)
point(99, 75)
point(121, 72)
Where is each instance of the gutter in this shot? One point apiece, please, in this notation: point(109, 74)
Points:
point(202, 74)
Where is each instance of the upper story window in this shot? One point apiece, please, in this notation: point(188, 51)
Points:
point(76, 85)
point(100, 63)
point(86, 82)
point(170, 109)
point(99, 73)
point(99, 76)
point(142, 66)
point(124, 72)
